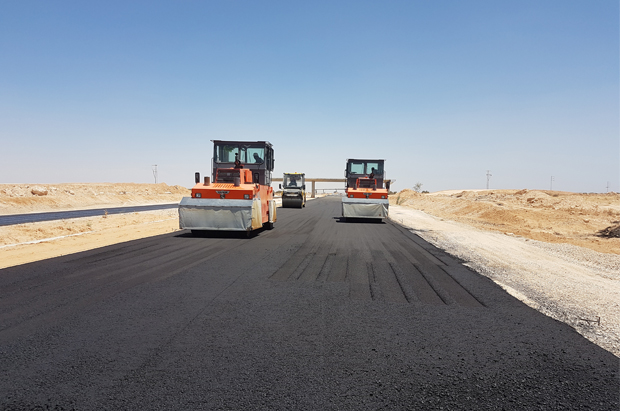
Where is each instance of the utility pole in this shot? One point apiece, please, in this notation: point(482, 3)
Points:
point(155, 172)
point(488, 178)
point(608, 186)
point(551, 184)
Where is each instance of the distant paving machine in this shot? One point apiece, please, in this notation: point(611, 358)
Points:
point(366, 196)
point(294, 190)
point(238, 195)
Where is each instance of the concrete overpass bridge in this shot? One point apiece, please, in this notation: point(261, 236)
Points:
point(322, 180)
point(314, 181)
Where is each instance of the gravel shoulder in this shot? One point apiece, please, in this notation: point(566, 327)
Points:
point(572, 284)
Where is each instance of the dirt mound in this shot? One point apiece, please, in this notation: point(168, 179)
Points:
point(550, 216)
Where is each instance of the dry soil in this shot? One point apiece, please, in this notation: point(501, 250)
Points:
point(25, 243)
point(586, 220)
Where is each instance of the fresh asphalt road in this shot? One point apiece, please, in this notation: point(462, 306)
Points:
point(316, 314)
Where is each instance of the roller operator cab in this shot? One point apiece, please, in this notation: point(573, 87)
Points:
point(366, 190)
point(293, 190)
point(238, 195)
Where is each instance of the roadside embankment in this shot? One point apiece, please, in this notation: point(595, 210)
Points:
point(585, 220)
point(31, 198)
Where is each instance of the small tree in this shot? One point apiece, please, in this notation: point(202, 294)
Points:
point(417, 187)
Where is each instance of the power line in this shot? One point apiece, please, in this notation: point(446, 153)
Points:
point(551, 184)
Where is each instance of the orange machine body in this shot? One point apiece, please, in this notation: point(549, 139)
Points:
point(245, 190)
point(238, 195)
point(366, 188)
point(366, 193)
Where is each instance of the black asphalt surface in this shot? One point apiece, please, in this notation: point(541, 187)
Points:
point(316, 314)
point(63, 215)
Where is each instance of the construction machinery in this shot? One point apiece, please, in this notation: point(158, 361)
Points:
point(366, 190)
point(238, 196)
point(293, 190)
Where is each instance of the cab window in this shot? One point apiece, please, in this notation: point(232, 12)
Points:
point(356, 167)
point(377, 166)
point(255, 155)
point(225, 153)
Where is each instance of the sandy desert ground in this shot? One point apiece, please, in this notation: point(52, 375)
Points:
point(558, 252)
point(24, 243)
point(586, 220)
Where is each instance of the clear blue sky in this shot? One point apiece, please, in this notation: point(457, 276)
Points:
point(443, 90)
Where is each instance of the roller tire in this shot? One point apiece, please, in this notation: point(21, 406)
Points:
point(288, 202)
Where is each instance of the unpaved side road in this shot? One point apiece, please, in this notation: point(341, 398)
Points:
point(575, 285)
